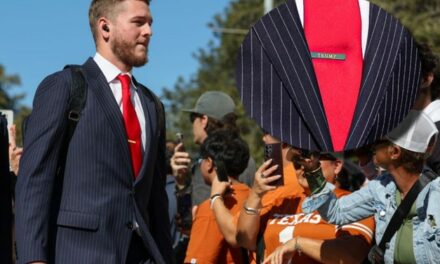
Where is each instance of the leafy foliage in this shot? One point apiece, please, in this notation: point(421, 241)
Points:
point(217, 60)
point(421, 17)
point(217, 72)
point(12, 102)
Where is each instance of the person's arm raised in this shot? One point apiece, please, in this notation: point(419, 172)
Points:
point(249, 219)
point(180, 162)
point(223, 217)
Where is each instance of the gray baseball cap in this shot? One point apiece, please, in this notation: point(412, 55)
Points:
point(214, 104)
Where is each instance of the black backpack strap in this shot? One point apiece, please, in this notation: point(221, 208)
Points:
point(427, 176)
point(400, 213)
point(76, 103)
point(77, 97)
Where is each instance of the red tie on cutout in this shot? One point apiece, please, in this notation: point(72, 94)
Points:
point(333, 27)
point(132, 126)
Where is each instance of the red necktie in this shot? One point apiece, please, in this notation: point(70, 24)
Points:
point(132, 126)
point(334, 27)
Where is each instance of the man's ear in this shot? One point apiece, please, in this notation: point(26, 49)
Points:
point(431, 144)
point(427, 80)
point(204, 120)
point(104, 28)
point(210, 164)
point(338, 166)
point(395, 152)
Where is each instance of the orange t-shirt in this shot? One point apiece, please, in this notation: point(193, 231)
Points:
point(285, 222)
point(285, 198)
point(291, 188)
point(207, 244)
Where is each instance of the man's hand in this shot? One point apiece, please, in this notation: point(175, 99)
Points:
point(219, 187)
point(14, 152)
point(309, 162)
point(262, 181)
point(194, 211)
point(282, 254)
point(180, 162)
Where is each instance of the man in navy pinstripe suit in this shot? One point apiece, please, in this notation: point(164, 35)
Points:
point(103, 209)
point(278, 85)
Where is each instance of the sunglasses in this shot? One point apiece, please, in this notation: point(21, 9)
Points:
point(380, 143)
point(193, 117)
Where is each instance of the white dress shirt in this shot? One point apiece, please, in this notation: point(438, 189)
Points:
point(364, 6)
point(110, 72)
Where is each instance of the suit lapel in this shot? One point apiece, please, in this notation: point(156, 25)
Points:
point(150, 132)
point(384, 38)
point(282, 38)
point(98, 85)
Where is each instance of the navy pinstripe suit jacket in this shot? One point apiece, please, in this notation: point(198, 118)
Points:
point(278, 87)
point(98, 198)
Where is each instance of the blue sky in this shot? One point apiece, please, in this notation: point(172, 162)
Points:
point(40, 37)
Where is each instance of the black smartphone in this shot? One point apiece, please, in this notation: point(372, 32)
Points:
point(179, 137)
point(274, 152)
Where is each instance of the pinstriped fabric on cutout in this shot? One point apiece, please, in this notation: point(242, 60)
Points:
point(274, 57)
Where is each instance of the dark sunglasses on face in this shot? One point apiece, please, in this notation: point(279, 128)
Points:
point(380, 143)
point(193, 117)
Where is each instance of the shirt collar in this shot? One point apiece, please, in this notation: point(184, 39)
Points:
point(365, 19)
point(109, 70)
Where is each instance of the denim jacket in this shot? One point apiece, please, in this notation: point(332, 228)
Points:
point(378, 198)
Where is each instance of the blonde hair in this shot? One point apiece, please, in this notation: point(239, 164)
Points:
point(103, 8)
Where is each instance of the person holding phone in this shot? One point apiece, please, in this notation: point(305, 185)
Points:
point(415, 238)
point(224, 157)
point(269, 227)
point(213, 111)
point(306, 237)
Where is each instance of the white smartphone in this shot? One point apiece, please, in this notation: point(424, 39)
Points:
point(9, 118)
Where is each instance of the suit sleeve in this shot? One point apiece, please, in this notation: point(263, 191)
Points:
point(36, 181)
point(160, 226)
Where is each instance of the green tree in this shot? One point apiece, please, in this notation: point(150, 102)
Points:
point(6, 82)
point(217, 72)
point(217, 61)
point(421, 17)
point(7, 101)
